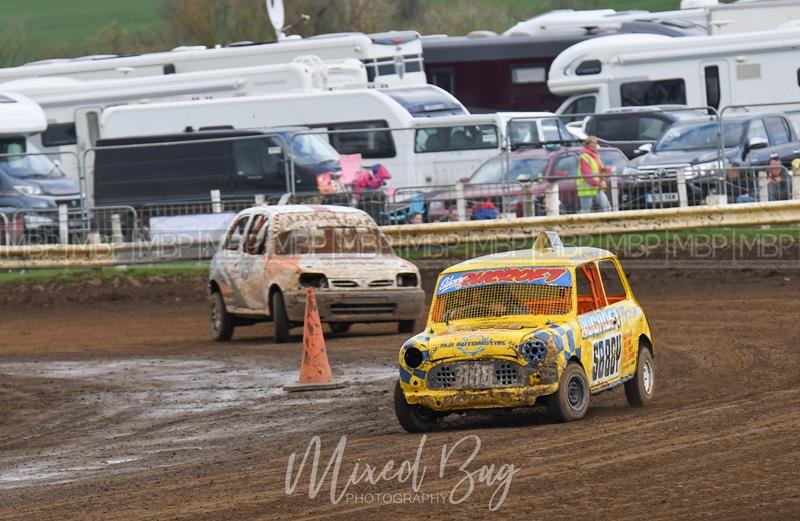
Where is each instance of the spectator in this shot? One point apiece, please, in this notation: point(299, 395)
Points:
point(738, 187)
point(485, 211)
point(416, 218)
point(452, 215)
point(777, 182)
point(591, 184)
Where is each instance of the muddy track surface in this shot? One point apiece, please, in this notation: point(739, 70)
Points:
point(125, 410)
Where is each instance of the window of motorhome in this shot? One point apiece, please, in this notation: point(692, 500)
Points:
point(58, 134)
point(555, 130)
point(582, 105)
point(444, 78)
point(778, 131)
point(661, 92)
point(370, 144)
point(589, 67)
point(712, 86)
point(450, 139)
point(252, 158)
point(523, 74)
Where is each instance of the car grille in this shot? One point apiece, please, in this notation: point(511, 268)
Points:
point(384, 283)
point(70, 202)
point(348, 283)
point(341, 283)
point(476, 375)
point(363, 308)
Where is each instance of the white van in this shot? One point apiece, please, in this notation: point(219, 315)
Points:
point(351, 119)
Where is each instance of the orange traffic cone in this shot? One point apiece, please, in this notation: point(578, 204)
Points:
point(315, 371)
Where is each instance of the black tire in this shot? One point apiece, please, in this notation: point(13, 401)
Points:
point(413, 418)
point(639, 389)
point(279, 318)
point(222, 323)
point(340, 327)
point(571, 401)
point(406, 326)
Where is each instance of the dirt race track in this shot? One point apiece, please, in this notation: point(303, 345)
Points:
point(125, 410)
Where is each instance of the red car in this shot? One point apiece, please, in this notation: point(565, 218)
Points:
point(499, 183)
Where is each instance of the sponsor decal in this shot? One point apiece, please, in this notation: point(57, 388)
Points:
point(474, 344)
point(605, 358)
point(600, 322)
point(542, 275)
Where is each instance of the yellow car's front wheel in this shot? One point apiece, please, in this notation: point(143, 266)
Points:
point(413, 418)
point(571, 401)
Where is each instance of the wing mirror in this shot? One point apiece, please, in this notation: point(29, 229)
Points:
point(757, 142)
point(644, 149)
point(524, 178)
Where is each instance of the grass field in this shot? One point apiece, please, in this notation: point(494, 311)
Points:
point(46, 28)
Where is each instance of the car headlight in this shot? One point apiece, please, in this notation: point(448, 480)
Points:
point(407, 280)
point(313, 280)
point(28, 189)
point(413, 357)
point(706, 168)
point(534, 350)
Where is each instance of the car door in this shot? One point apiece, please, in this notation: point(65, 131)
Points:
point(601, 329)
point(780, 136)
point(252, 271)
point(619, 301)
point(230, 257)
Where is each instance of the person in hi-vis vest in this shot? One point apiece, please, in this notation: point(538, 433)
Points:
point(591, 183)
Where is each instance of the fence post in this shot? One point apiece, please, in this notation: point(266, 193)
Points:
point(216, 202)
point(116, 229)
point(461, 204)
point(551, 199)
point(63, 224)
point(527, 199)
point(683, 199)
point(260, 199)
point(795, 185)
point(763, 190)
point(614, 193)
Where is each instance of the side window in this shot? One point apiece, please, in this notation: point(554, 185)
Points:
point(567, 165)
point(757, 130)
point(614, 128)
point(778, 131)
point(451, 139)
point(551, 130)
point(369, 143)
point(256, 158)
point(234, 238)
point(583, 105)
point(613, 287)
point(522, 74)
point(444, 78)
point(663, 92)
point(59, 134)
point(651, 128)
point(256, 236)
point(590, 292)
point(712, 86)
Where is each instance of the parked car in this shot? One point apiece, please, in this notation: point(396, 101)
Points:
point(497, 179)
point(272, 254)
point(628, 128)
point(507, 330)
point(694, 146)
point(189, 165)
point(35, 186)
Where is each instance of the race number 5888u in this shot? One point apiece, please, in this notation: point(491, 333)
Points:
point(605, 359)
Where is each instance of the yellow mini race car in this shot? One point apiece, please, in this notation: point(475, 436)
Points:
point(507, 329)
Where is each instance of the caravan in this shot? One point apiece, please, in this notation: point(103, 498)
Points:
point(392, 58)
point(64, 99)
point(698, 71)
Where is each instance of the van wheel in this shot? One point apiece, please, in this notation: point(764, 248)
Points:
point(280, 319)
point(340, 327)
point(406, 326)
point(639, 389)
point(222, 323)
point(413, 418)
point(571, 401)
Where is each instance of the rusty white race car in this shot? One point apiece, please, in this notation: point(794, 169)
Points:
point(550, 323)
point(272, 254)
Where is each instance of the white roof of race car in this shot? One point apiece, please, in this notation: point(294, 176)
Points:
point(300, 208)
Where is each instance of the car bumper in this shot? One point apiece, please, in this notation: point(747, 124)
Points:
point(385, 305)
point(496, 398)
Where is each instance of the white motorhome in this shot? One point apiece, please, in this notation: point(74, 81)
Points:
point(716, 71)
point(393, 58)
point(562, 19)
point(64, 98)
point(740, 17)
point(351, 119)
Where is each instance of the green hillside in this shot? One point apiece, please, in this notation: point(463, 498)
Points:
point(35, 29)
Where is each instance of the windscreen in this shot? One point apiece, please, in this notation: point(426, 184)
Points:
point(312, 149)
point(331, 240)
point(694, 136)
point(493, 170)
point(492, 293)
point(16, 163)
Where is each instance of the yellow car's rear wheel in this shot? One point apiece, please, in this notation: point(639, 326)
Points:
point(639, 389)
